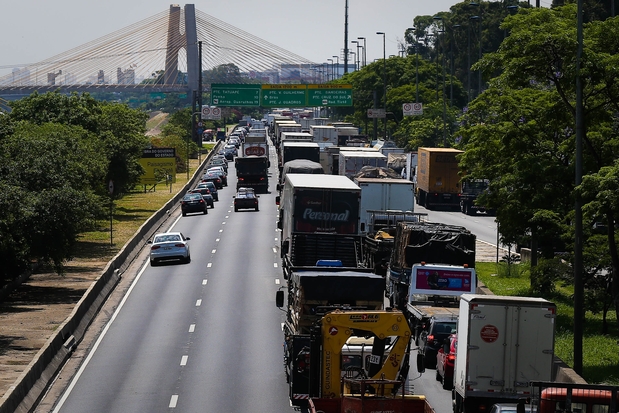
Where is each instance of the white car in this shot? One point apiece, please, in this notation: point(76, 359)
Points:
point(169, 246)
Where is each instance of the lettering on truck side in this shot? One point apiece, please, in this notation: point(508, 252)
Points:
point(326, 216)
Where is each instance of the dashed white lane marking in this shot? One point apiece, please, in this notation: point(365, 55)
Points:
point(223, 223)
point(198, 303)
point(209, 265)
point(277, 281)
point(173, 401)
point(213, 251)
point(275, 238)
point(227, 216)
point(184, 360)
point(275, 250)
point(221, 230)
point(275, 265)
point(216, 239)
point(192, 328)
point(204, 282)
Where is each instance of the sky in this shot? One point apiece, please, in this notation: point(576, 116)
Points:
point(34, 30)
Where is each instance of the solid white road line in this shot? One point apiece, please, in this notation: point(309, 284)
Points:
point(77, 376)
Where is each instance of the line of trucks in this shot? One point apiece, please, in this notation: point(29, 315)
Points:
point(350, 325)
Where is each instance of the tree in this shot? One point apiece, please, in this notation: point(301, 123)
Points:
point(519, 133)
point(117, 129)
point(49, 174)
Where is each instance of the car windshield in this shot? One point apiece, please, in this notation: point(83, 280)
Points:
point(167, 238)
point(189, 197)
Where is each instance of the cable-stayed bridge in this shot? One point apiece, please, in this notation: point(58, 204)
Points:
point(162, 54)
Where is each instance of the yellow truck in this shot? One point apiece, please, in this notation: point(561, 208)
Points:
point(438, 179)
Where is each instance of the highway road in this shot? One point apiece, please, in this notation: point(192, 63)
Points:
point(206, 336)
point(198, 337)
point(483, 226)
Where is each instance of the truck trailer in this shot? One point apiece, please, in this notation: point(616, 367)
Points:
point(438, 179)
point(504, 344)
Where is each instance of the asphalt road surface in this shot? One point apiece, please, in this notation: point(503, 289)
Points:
point(206, 336)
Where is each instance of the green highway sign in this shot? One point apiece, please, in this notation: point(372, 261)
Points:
point(329, 95)
point(235, 95)
point(283, 96)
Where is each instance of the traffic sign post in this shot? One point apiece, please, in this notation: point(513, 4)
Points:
point(410, 109)
point(235, 95)
point(283, 95)
point(376, 113)
point(210, 113)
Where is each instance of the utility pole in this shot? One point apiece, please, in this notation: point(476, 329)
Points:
point(346, 38)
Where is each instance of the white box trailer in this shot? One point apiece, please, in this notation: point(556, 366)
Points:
point(382, 194)
point(324, 134)
point(351, 162)
point(504, 344)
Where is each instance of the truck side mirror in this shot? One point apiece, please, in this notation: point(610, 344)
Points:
point(279, 298)
point(285, 246)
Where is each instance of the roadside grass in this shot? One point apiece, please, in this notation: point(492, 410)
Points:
point(600, 351)
point(130, 213)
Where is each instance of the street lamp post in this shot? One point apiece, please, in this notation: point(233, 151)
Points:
point(469, 88)
point(478, 18)
point(330, 60)
point(413, 29)
point(358, 54)
point(443, 91)
point(363, 60)
point(384, 84)
point(337, 67)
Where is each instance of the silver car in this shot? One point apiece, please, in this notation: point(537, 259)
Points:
point(169, 246)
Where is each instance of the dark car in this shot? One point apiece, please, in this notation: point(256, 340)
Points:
point(230, 152)
point(245, 198)
point(219, 162)
point(432, 338)
point(206, 195)
point(193, 203)
point(214, 178)
point(219, 171)
point(445, 360)
point(211, 186)
point(235, 141)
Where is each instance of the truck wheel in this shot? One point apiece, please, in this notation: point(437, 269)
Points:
point(447, 385)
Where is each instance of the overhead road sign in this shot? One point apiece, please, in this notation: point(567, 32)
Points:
point(235, 95)
point(329, 95)
point(281, 96)
point(285, 95)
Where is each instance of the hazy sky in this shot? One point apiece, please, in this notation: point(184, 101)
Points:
point(34, 30)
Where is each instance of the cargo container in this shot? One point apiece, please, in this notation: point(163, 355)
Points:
point(351, 162)
point(504, 344)
point(438, 179)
